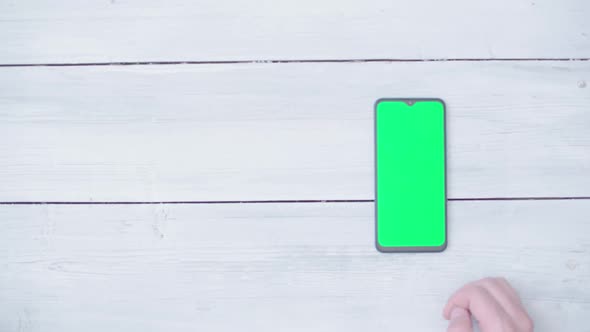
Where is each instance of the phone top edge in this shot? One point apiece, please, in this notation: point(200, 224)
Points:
point(385, 99)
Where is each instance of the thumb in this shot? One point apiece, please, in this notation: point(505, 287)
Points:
point(460, 321)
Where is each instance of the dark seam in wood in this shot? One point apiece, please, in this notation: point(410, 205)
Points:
point(297, 201)
point(225, 62)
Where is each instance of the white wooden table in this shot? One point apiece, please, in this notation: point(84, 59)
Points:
point(208, 165)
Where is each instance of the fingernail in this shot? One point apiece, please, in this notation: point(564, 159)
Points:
point(458, 312)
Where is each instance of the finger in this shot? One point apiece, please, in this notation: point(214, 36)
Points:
point(505, 296)
point(509, 289)
point(499, 291)
point(463, 290)
point(521, 317)
point(480, 283)
point(482, 305)
point(460, 321)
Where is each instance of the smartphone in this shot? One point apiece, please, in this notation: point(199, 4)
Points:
point(410, 175)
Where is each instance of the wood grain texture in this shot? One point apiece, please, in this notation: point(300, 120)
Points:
point(283, 131)
point(287, 267)
point(42, 31)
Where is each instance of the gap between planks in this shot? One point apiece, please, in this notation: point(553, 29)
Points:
point(272, 61)
point(296, 201)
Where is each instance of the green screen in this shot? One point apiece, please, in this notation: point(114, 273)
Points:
point(410, 175)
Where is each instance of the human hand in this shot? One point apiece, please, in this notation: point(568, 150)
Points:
point(492, 302)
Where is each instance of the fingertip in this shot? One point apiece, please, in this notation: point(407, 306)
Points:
point(449, 307)
point(458, 312)
point(458, 299)
point(460, 321)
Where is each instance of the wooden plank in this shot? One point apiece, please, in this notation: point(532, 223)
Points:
point(289, 131)
point(43, 31)
point(268, 267)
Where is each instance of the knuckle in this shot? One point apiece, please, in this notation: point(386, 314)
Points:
point(502, 280)
point(480, 291)
point(487, 280)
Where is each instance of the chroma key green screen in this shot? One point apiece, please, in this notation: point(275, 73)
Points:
point(410, 186)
